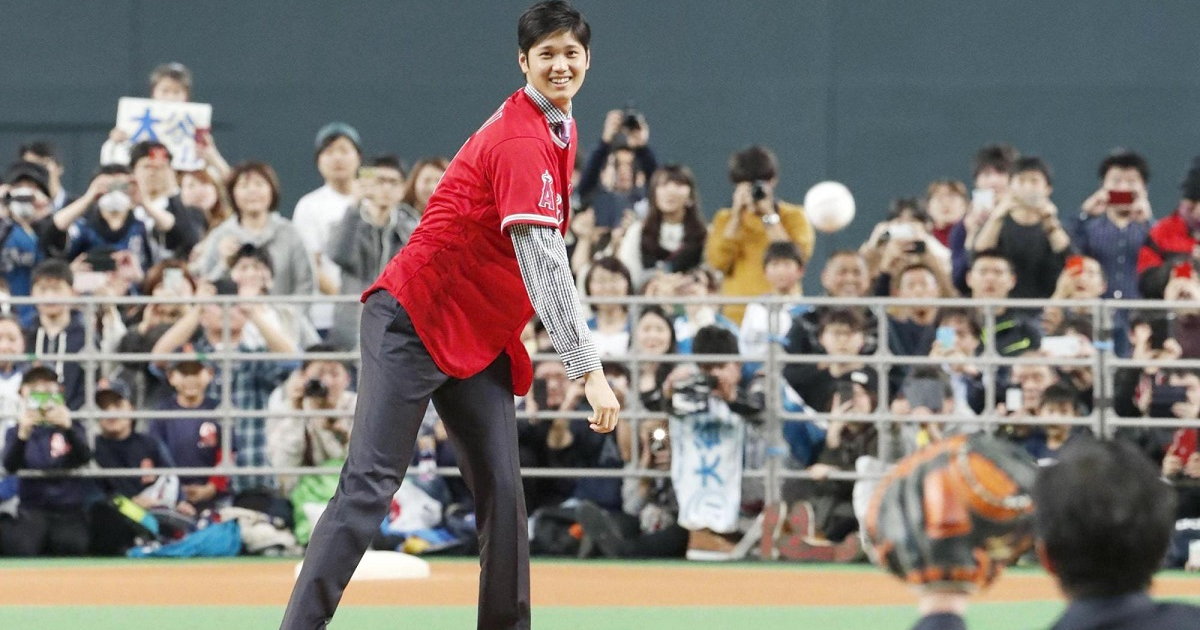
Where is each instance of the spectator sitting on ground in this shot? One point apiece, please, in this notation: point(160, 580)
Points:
point(671, 237)
point(319, 384)
point(50, 518)
point(1115, 221)
point(1172, 240)
point(192, 442)
point(1025, 229)
point(740, 234)
point(366, 239)
point(254, 193)
point(993, 167)
point(338, 156)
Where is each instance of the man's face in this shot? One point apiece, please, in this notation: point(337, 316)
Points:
point(11, 339)
point(152, 171)
point(192, 383)
point(990, 278)
point(47, 290)
point(41, 203)
point(117, 427)
point(622, 169)
point(783, 274)
point(845, 276)
point(339, 161)
point(556, 66)
point(386, 187)
point(1124, 180)
point(1088, 281)
point(993, 179)
point(168, 89)
point(555, 377)
point(1033, 380)
point(1056, 410)
point(839, 338)
point(946, 206)
point(917, 283)
point(333, 375)
point(1031, 187)
point(251, 276)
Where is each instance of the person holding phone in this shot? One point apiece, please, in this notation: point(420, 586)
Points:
point(25, 200)
point(992, 168)
point(51, 518)
point(1115, 221)
point(1173, 239)
point(1025, 229)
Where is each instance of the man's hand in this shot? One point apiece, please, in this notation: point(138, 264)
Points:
point(199, 493)
point(59, 416)
point(603, 401)
point(28, 420)
point(1171, 465)
point(1097, 204)
point(612, 124)
point(1192, 469)
point(639, 137)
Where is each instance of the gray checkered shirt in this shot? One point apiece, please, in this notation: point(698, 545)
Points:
point(542, 256)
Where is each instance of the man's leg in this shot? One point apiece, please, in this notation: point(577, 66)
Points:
point(394, 387)
point(68, 533)
point(479, 416)
point(25, 536)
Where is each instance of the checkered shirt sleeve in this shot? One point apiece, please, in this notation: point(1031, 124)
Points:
point(542, 256)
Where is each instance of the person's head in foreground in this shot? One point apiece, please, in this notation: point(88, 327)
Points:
point(1103, 519)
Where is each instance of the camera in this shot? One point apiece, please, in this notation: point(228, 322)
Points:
point(19, 196)
point(758, 190)
point(314, 388)
point(631, 119)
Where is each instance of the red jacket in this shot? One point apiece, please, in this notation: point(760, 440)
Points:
point(458, 277)
point(1170, 236)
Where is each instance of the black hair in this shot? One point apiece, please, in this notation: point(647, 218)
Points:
point(53, 269)
point(39, 374)
point(997, 157)
point(250, 250)
point(955, 312)
point(1124, 158)
point(847, 316)
point(1078, 322)
point(783, 250)
point(991, 253)
point(1190, 187)
point(41, 148)
point(388, 160)
point(544, 19)
point(319, 348)
point(173, 70)
point(1033, 163)
point(608, 263)
point(112, 169)
point(753, 163)
point(1105, 518)
point(911, 205)
point(1062, 394)
point(714, 340)
point(143, 149)
point(694, 229)
point(107, 398)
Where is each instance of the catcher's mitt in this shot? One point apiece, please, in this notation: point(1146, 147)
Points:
point(952, 515)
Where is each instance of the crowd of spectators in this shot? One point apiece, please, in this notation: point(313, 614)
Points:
point(637, 228)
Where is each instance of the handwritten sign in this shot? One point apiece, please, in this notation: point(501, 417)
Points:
point(172, 123)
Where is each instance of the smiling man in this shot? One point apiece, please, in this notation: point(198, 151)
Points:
point(444, 322)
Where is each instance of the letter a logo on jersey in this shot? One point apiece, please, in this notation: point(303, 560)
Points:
point(547, 197)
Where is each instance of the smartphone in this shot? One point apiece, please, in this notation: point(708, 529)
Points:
point(366, 172)
point(540, 393)
point(42, 400)
point(118, 185)
point(845, 391)
point(101, 259)
point(89, 281)
point(174, 280)
point(1014, 399)
point(1184, 443)
point(1120, 197)
point(947, 336)
point(983, 197)
point(1074, 265)
point(1061, 345)
point(1167, 395)
point(1162, 328)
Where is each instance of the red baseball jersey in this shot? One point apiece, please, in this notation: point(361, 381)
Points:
point(458, 276)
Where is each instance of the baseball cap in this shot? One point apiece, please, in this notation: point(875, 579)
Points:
point(335, 130)
point(112, 391)
point(190, 365)
point(28, 171)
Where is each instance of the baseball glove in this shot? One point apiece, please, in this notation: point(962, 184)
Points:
point(952, 515)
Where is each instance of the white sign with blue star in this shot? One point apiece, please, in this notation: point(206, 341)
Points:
point(172, 123)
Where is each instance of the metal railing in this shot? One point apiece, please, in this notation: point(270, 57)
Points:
point(1102, 362)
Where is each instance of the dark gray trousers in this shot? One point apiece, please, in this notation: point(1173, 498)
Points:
point(397, 381)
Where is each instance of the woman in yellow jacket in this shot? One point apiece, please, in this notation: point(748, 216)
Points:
point(740, 235)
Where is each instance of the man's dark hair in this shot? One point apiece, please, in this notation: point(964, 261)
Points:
point(910, 205)
point(991, 253)
point(1033, 163)
point(1190, 188)
point(250, 250)
point(753, 163)
point(917, 266)
point(1104, 517)
point(955, 312)
point(1061, 394)
point(39, 374)
point(53, 269)
point(998, 157)
point(714, 340)
point(388, 160)
point(783, 250)
point(143, 149)
point(41, 148)
point(1124, 158)
point(320, 348)
point(111, 169)
point(847, 316)
point(544, 19)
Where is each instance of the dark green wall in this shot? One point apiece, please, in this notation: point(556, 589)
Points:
point(883, 96)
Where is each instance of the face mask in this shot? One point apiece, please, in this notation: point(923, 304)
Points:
point(115, 201)
point(21, 209)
